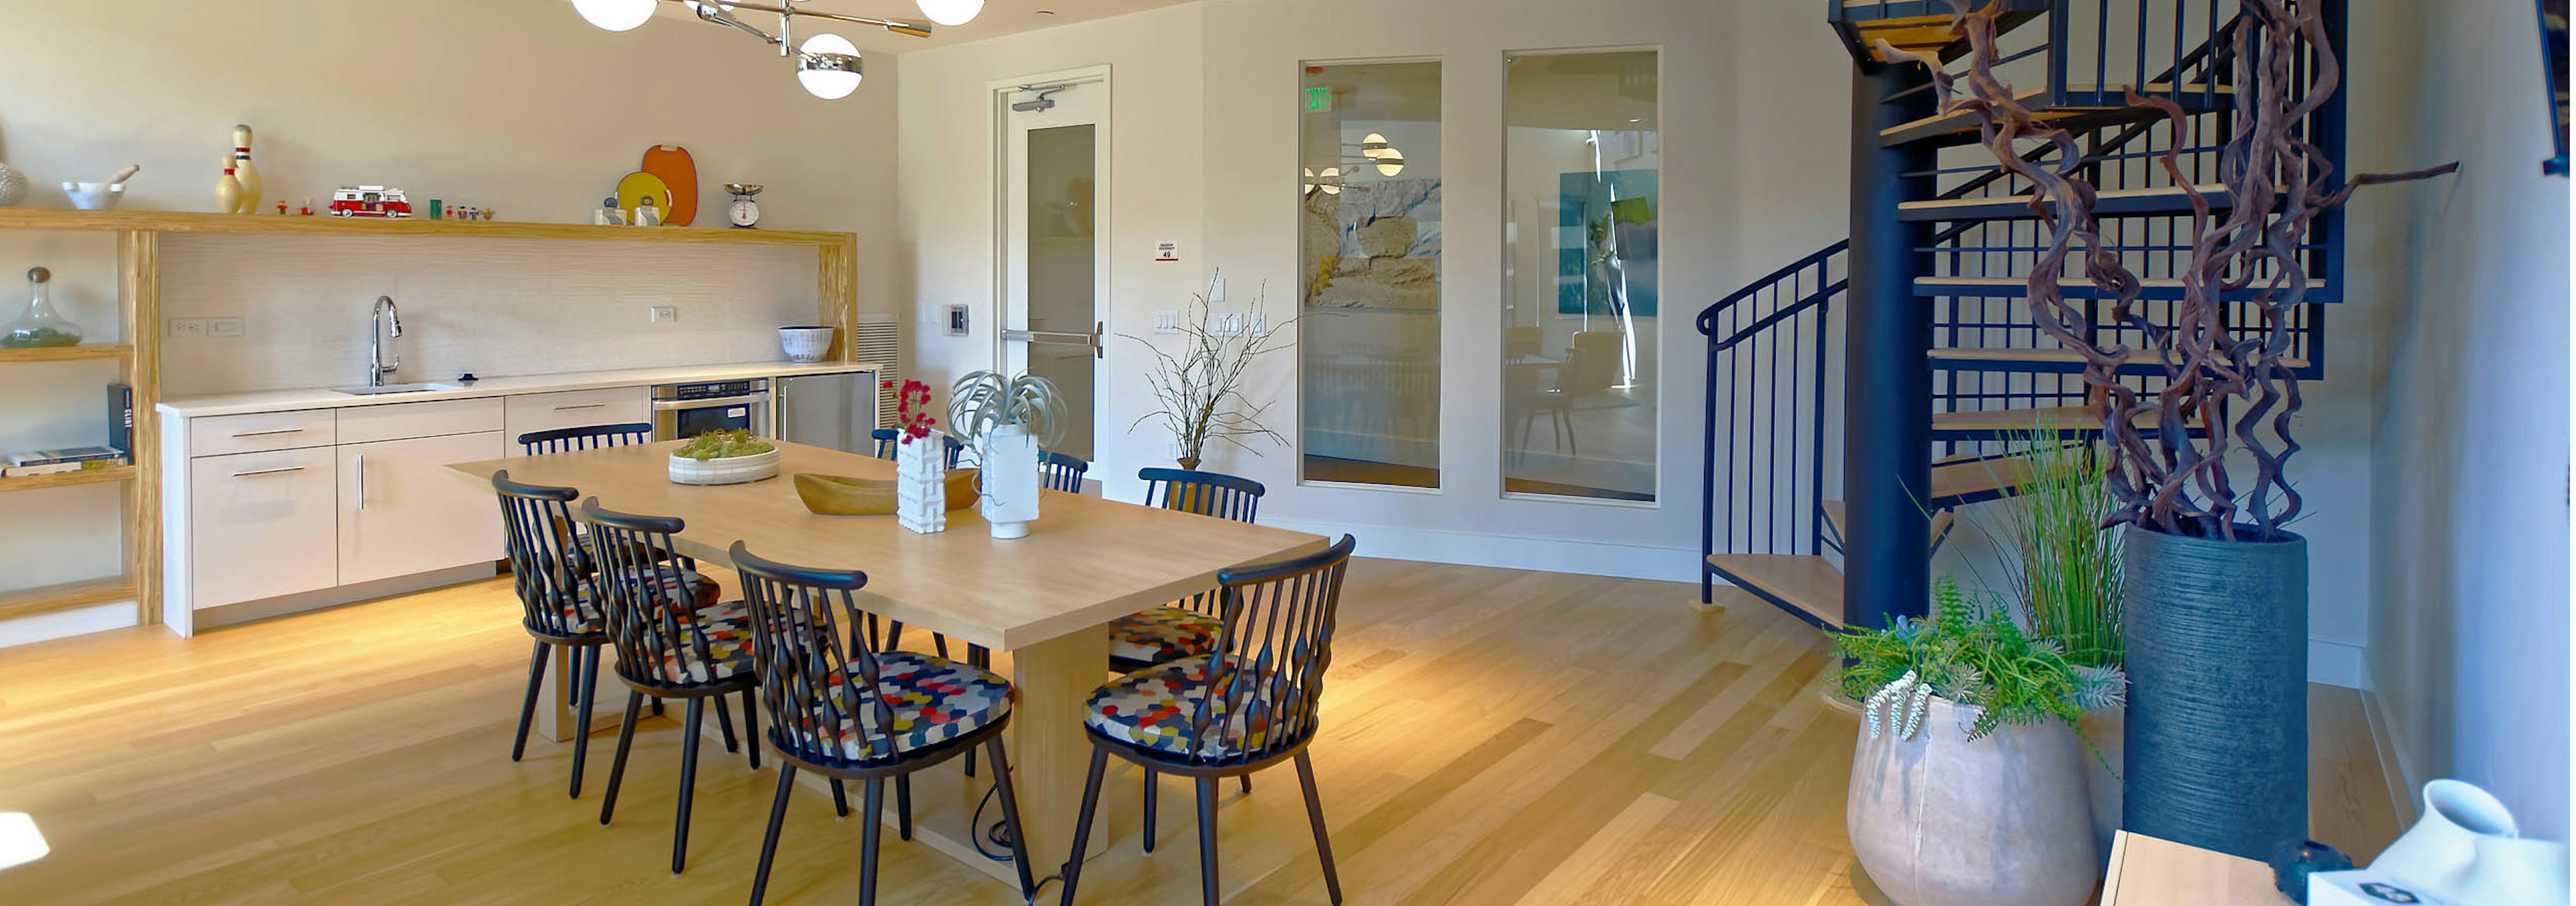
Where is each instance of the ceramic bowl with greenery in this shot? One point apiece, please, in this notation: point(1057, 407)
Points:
point(723, 457)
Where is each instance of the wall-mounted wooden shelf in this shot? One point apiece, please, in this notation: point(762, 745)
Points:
point(67, 479)
point(319, 225)
point(68, 353)
point(50, 598)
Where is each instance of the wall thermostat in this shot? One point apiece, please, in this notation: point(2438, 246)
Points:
point(956, 320)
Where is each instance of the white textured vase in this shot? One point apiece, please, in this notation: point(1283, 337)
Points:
point(921, 484)
point(1938, 820)
point(1009, 459)
point(13, 186)
point(2467, 849)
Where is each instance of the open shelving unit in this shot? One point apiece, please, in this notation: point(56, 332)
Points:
point(139, 355)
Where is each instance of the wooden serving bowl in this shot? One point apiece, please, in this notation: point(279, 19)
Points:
point(835, 495)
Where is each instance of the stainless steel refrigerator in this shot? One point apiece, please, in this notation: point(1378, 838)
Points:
point(836, 411)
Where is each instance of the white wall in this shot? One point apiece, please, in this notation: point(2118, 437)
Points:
point(514, 106)
point(2469, 605)
point(1205, 153)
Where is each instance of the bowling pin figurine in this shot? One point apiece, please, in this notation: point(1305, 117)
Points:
point(244, 171)
point(228, 190)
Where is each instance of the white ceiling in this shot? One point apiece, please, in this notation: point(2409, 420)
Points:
point(1000, 17)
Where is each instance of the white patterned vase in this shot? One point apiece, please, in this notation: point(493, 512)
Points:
point(1009, 455)
point(920, 485)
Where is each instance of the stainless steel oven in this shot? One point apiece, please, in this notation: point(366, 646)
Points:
point(688, 410)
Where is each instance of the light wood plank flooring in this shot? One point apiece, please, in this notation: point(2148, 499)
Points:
point(1491, 737)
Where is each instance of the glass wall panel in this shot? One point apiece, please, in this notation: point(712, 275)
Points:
point(1581, 156)
point(1369, 322)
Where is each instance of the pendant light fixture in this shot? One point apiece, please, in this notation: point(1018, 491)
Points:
point(827, 65)
point(952, 13)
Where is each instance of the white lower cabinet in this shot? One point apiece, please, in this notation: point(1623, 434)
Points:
point(402, 512)
point(263, 525)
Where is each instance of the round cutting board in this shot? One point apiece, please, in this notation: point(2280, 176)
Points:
point(632, 190)
point(679, 174)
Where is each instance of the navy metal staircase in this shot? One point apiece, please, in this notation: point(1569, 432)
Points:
point(1785, 391)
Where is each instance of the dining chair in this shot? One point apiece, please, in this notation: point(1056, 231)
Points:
point(847, 709)
point(588, 437)
point(557, 607)
point(1187, 627)
point(1248, 705)
point(949, 444)
point(885, 438)
point(1059, 472)
point(674, 639)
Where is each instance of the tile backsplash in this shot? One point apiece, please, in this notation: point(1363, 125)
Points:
point(495, 307)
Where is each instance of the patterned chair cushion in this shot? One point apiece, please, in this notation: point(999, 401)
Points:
point(727, 627)
point(1163, 634)
point(1153, 708)
point(934, 699)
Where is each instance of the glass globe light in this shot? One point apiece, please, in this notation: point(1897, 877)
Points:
point(828, 66)
point(951, 13)
point(615, 15)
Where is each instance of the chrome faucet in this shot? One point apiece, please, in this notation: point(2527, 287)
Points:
point(384, 323)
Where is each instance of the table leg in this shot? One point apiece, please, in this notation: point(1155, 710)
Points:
point(556, 705)
point(1051, 754)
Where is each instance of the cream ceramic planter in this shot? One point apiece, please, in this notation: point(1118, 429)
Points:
point(727, 470)
point(1938, 820)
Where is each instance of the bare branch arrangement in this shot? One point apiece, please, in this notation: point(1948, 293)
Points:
point(2163, 477)
point(1201, 389)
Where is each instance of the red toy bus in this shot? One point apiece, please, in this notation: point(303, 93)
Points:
point(369, 201)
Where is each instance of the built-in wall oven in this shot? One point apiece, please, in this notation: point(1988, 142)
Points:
point(687, 410)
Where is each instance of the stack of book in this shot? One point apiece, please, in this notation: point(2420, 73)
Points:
point(69, 459)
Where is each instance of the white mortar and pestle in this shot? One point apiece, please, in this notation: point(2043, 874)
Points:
point(100, 196)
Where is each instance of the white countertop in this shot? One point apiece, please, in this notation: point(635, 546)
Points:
point(325, 398)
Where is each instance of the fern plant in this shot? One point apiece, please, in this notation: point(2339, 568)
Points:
point(1972, 654)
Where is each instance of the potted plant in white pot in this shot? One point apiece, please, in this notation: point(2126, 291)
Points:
point(1007, 421)
point(1968, 787)
point(723, 457)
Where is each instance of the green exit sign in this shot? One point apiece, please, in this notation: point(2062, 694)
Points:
point(1319, 99)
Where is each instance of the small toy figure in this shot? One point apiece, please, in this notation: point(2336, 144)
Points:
point(646, 214)
point(281, 207)
point(307, 209)
point(608, 213)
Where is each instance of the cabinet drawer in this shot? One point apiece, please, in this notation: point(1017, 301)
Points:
point(396, 421)
point(575, 409)
point(263, 525)
point(218, 435)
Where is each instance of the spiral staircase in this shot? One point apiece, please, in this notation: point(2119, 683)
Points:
point(1861, 395)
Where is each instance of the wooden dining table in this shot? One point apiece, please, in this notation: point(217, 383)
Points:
point(1045, 600)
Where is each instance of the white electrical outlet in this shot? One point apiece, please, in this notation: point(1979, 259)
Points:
point(224, 327)
point(1167, 321)
point(187, 327)
point(665, 314)
point(1260, 324)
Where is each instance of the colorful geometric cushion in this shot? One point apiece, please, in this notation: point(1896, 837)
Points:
point(727, 629)
point(934, 700)
point(1163, 634)
point(1155, 707)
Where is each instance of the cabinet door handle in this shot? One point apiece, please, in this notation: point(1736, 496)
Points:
point(268, 471)
point(362, 481)
point(582, 406)
point(272, 431)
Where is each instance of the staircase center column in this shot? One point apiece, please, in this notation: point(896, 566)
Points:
point(1887, 411)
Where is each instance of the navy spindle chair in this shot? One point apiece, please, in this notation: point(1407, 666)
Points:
point(1187, 627)
point(1250, 704)
point(550, 573)
point(847, 709)
point(675, 639)
point(1060, 472)
point(589, 437)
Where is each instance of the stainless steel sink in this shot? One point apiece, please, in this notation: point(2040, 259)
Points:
point(395, 388)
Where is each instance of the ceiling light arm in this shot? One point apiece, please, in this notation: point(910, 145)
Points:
point(786, 11)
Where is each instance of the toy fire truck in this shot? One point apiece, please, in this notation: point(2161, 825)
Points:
point(369, 201)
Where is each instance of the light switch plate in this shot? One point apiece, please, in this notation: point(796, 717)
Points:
point(1216, 290)
point(187, 327)
point(664, 314)
point(224, 327)
point(1166, 321)
point(1226, 324)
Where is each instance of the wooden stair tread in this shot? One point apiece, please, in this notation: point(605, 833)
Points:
point(2088, 106)
point(2319, 290)
point(2161, 200)
point(1810, 585)
point(1838, 520)
point(2055, 358)
point(1921, 26)
point(1971, 479)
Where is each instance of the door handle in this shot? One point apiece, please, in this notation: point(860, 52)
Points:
point(257, 472)
point(362, 481)
point(1089, 341)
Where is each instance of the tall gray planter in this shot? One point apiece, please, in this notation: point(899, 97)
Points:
point(2218, 701)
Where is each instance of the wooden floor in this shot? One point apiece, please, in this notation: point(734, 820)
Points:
point(1491, 737)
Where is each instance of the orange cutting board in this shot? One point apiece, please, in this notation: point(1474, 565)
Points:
point(679, 172)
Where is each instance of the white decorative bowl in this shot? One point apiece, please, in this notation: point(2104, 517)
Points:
point(728, 470)
point(94, 196)
point(806, 345)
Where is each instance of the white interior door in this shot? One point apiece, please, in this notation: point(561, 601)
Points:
point(1054, 255)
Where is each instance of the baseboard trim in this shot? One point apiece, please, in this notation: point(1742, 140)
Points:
point(237, 614)
point(2335, 664)
point(1556, 555)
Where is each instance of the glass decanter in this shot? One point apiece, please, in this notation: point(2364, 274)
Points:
point(40, 324)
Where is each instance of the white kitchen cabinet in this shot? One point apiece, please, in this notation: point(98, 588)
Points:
point(402, 512)
point(263, 525)
point(532, 412)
